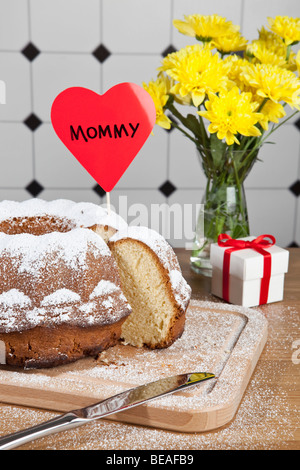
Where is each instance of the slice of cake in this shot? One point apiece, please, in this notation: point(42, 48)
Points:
point(153, 284)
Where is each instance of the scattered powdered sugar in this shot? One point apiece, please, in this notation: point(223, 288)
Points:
point(14, 298)
point(108, 303)
point(104, 287)
point(211, 342)
point(88, 307)
point(60, 296)
point(266, 418)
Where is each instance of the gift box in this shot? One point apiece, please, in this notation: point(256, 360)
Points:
point(248, 271)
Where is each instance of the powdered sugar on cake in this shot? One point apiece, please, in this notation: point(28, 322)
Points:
point(83, 214)
point(180, 288)
point(40, 259)
point(13, 298)
point(31, 251)
point(61, 296)
point(104, 287)
point(102, 311)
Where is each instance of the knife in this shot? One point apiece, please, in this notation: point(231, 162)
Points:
point(123, 401)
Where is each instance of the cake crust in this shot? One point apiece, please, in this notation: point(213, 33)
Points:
point(44, 347)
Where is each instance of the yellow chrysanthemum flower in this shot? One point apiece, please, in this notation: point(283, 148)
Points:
point(272, 40)
point(231, 113)
point(231, 43)
point(271, 49)
point(286, 27)
point(265, 55)
point(271, 112)
point(158, 90)
point(298, 62)
point(273, 82)
point(196, 71)
point(236, 65)
point(205, 28)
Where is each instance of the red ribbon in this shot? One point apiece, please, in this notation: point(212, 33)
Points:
point(258, 245)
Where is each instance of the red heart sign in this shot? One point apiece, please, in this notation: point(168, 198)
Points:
point(104, 132)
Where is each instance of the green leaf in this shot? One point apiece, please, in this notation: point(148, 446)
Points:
point(194, 125)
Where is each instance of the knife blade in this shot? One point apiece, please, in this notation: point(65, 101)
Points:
point(115, 404)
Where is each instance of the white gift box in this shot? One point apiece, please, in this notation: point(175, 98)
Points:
point(246, 272)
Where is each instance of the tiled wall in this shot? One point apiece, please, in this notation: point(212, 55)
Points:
point(49, 45)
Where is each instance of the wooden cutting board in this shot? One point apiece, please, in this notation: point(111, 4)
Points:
point(223, 339)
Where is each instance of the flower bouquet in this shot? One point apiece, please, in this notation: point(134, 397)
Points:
point(236, 93)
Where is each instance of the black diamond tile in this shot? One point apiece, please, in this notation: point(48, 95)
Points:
point(33, 122)
point(295, 188)
point(101, 53)
point(297, 124)
point(167, 188)
point(34, 188)
point(30, 51)
point(99, 190)
point(168, 50)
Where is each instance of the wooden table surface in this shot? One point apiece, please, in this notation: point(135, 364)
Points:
point(268, 417)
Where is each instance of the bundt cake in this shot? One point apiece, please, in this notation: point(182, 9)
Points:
point(153, 284)
point(75, 280)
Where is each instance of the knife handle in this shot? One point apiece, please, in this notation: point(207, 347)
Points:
point(61, 423)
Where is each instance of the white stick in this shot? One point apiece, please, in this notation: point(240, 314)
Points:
point(108, 202)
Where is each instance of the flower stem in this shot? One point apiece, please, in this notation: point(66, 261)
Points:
point(184, 132)
point(274, 128)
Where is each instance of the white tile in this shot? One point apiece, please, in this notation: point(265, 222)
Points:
point(136, 26)
point(16, 155)
point(149, 168)
point(15, 72)
point(182, 216)
point(71, 25)
point(53, 73)
point(279, 164)
point(55, 166)
point(14, 24)
point(129, 68)
point(272, 211)
point(297, 231)
point(292, 114)
point(77, 195)
point(230, 9)
point(14, 195)
point(185, 170)
point(139, 207)
point(257, 11)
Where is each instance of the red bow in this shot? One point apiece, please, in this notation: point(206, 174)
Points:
point(258, 244)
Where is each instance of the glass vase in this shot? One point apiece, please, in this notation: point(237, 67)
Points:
point(223, 206)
